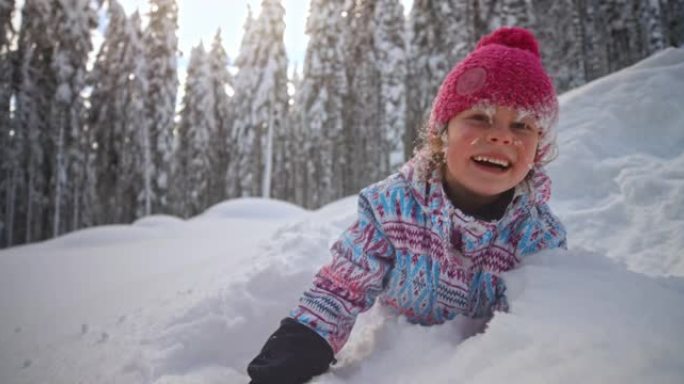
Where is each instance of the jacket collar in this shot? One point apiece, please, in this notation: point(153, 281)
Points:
point(428, 190)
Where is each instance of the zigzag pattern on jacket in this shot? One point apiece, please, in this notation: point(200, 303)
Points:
point(417, 254)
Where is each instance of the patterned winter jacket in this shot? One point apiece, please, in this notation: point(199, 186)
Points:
point(416, 253)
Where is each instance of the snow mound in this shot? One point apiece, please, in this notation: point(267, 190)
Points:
point(619, 179)
point(158, 221)
point(254, 208)
point(226, 329)
point(575, 317)
point(340, 213)
point(100, 236)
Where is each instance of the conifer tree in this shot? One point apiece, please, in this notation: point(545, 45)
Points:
point(72, 23)
point(8, 154)
point(516, 13)
point(241, 173)
point(196, 129)
point(262, 86)
point(49, 112)
point(297, 144)
point(139, 162)
point(389, 44)
point(655, 29)
point(361, 134)
point(673, 17)
point(440, 34)
point(117, 118)
point(222, 147)
point(161, 45)
point(6, 29)
point(375, 101)
point(32, 142)
point(559, 41)
point(271, 100)
point(320, 101)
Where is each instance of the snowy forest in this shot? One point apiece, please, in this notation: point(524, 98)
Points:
point(93, 135)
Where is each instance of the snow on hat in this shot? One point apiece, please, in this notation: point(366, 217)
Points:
point(505, 69)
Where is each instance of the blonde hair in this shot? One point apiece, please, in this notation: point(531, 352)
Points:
point(429, 153)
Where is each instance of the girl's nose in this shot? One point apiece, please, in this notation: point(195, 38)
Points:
point(499, 134)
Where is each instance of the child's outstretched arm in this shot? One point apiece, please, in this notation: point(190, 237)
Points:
point(348, 285)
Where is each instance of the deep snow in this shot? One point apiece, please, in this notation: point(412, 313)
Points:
point(171, 301)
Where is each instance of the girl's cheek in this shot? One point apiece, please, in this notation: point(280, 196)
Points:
point(530, 152)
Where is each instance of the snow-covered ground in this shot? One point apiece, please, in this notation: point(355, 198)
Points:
point(171, 301)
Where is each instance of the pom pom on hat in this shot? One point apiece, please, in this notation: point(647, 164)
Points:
point(505, 69)
point(513, 37)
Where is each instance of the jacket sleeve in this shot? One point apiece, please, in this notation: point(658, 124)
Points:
point(539, 231)
point(547, 232)
point(349, 284)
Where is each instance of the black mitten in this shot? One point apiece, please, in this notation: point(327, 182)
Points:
point(292, 355)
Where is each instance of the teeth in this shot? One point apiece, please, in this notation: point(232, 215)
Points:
point(502, 163)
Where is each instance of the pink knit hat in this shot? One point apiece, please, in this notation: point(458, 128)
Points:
point(505, 69)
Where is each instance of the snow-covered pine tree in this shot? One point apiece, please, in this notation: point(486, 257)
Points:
point(281, 170)
point(49, 111)
point(652, 26)
point(104, 114)
point(36, 84)
point(389, 44)
point(664, 23)
point(558, 38)
point(270, 97)
point(241, 175)
point(222, 146)
point(161, 46)
point(515, 13)
point(117, 117)
point(622, 29)
point(138, 162)
point(617, 33)
point(363, 139)
point(261, 91)
point(299, 145)
point(587, 35)
point(197, 127)
point(673, 14)
point(320, 103)
point(6, 29)
point(72, 23)
point(8, 160)
point(6, 36)
point(440, 34)
point(139, 136)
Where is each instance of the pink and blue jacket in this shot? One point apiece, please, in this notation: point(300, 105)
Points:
point(414, 252)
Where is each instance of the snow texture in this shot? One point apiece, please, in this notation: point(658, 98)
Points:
point(171, 301)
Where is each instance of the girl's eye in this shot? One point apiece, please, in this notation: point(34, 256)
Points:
point(521, 126)
point(479, 118)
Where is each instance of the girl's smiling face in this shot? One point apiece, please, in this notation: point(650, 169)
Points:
point(488, 151)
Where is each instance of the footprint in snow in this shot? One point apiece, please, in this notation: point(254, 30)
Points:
point(103, 338)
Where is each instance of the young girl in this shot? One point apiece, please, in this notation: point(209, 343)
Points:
point(431, 241)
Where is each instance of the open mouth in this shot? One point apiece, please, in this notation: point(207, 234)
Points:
point(492, 163)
